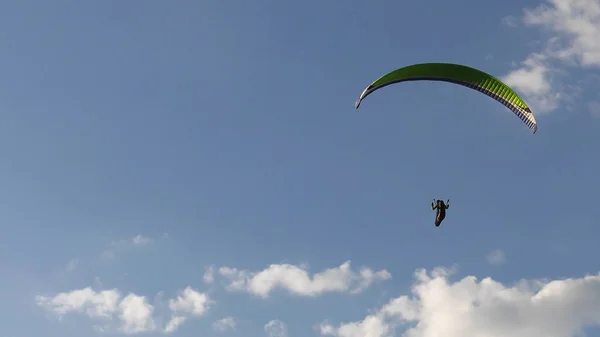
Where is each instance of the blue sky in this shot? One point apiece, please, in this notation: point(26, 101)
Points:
point(143, 142)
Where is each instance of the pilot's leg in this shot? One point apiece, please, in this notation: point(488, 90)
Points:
point(438, 219)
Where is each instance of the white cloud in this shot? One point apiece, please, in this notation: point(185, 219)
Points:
point(276, 328)
point(224, 324)
point(576, 24)
point(94, 304)
point(496, 257)
point(136, 314)
point(209, 275)
point(439, 307)
point(297, 280)
point(190, 302)
point(72, 264)
point(574, 27)
point(133, 313)
point(533, 79)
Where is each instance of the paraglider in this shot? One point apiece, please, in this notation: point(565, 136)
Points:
point(441, 208)
point(461, 75)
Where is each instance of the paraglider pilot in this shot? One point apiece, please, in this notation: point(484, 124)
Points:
point(441, 208)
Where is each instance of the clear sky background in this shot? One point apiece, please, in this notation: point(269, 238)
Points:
point(197, 168)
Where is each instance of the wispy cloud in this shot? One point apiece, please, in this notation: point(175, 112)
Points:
point(72, 264)
point(510, 21)
point(224, 324)
point(496, 257)
point(276, 328)
point(108, 255)
point(118, 246)
point(209, 275)
point(140, 240)
point(594, 107)
point(174, 324)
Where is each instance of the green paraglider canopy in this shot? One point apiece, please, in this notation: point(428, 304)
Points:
point(462, 75)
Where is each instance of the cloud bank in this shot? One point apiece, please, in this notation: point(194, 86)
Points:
point(486, 308)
